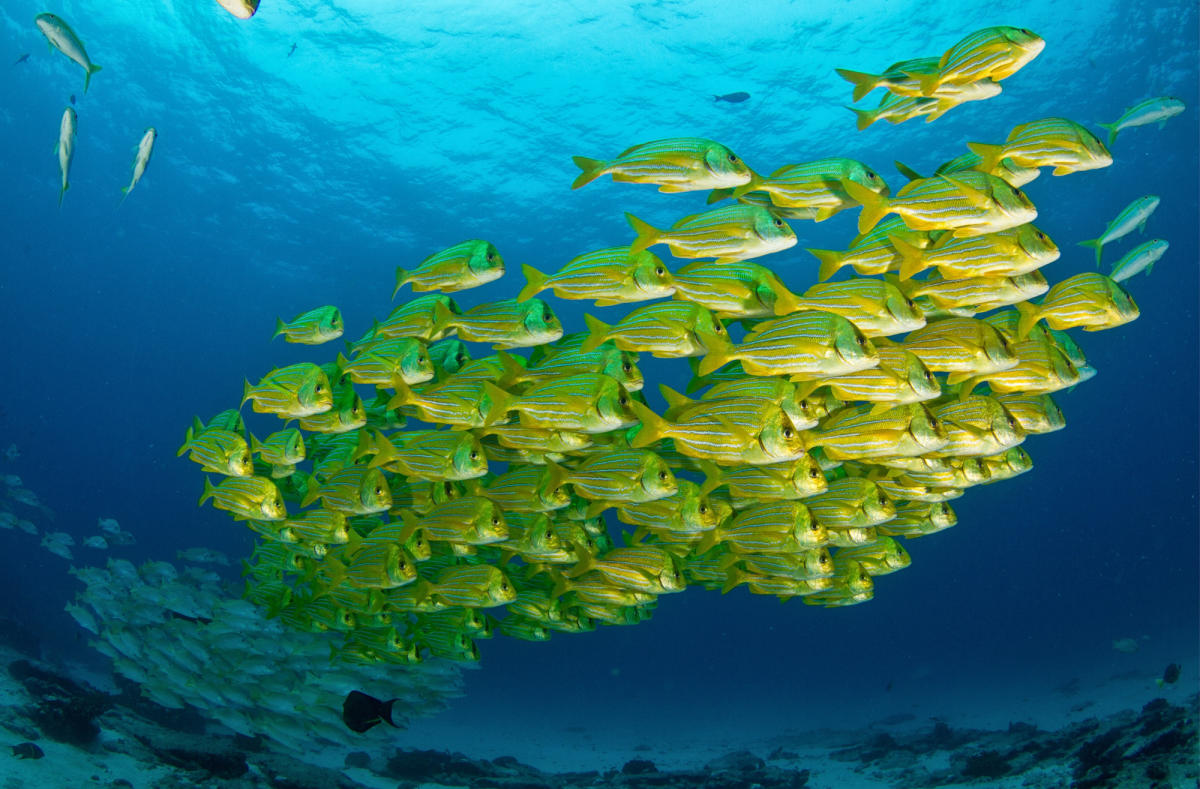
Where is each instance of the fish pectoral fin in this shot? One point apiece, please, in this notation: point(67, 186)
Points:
point(976, 432)
point(973, 196)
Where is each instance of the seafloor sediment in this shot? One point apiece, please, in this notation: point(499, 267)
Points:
point(62, 732)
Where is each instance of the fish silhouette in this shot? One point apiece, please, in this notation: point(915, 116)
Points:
point(22, 59)
point(733, 98)
point(361, 712)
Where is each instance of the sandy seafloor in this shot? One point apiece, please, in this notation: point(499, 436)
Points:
point(561, 744)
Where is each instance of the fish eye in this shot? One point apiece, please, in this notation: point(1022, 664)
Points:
point(420, 359)
point(778, 222)
point(378, 491)
point(719, 328)
point(882, 499)
point(703, 509)
point(627, 367)
point(504, 586)
point(1012, 423)
point(933, 423)
point(495, 521)
point(549, 533)
point(871, 175)
point(814, 526)
point(912, 305)
point(474, 455)
point(814, 472)
point(662, 475)
point(491, 256)
point(862, 342)
point(547, 316)
point(1041, 236)
point(403, 565)
point(1027, 32)
point(733, 157)
point(660, 271)
point(319, 388)
point(787, 432)
point(419, 542)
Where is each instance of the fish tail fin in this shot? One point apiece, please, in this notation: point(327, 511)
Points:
point(716, 357)
point(647, 234)
point(92, 69)
point(713, 476)
point(187, 442)
point(247, 391)
point(1112, 132)
point(62, 191)
point(1095, 244)
point(831, 261)
point(314, 493)
point(675, 400)
point(989, 155)
point(927, 82)
point(501, 403)
point(401, 278)
point(597, 333)
point(592, 169)
point(366, 444)
point(654, 427)
point(209, 490)
point(1029, 318)
point(717, 195)
point(787, 302)
point(863, 83)
point(403, 395)
point(912, 257)
point(562, 585)
point(280, 327)
point(586, 563)
point(535, 282)
point(125, 190)
point(255, 444)
point(733, 579)
point(874, 206)
point(907, 171)
point(862, 118)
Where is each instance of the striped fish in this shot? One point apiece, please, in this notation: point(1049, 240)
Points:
point(606, 276)
point(876, 307)
point(640, 569)
point(977, 425)
point(802, 565)
point(772, 527)
point(959, 472)
point(917, 519)
point(883, 557)
point(665, 329)
point(980, 294)
point(856, 432)
point(531, 536)
point(378, 564)
point(405, 358)
point(219, 451)
point(430, 454)
point(794, 479)
point(1008, 464)
point(851, 503)
point(1050, 142)
point(898, 78)
point(606, 359)
point(621, 475)
point(807, 343)
point(462, 266)
point(1140, 258)
point(357, 490)
point(1041, 368)
point(311, 328)
point(736, 431)
point(678, 164)
point(804, 410)
point(1035, 413)
point(735, 232)
point(506, 324)
point(990, 53)
point(528, 489)
point(471, 520)
point(1090, 300)
point(473, 586)
point(815, 184)
point(474, 408)
point(1007, 169)
point(246, 497)
point(961, 347)
point(598, 589)
point(587, 402)
point(968, 203)
point(537, 439)
point(283, 447)
point(293, 391)
point(897, 109)
point(1132, 216)
point(900, 378)
point(1157, 110)
point(1006, 253)
point(874, 252)
point(738, 289)
point(320, 525)
point(415, 318)
point(348, 413)
point(686, 511)
point(783, 588)
point(763, 200)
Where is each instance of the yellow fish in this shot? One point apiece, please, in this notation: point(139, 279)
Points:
point(1090, 300)
point(1050, 142)
point(735, 232)
point(466, 265)
point(679, 164)
point(968, 203)
point(606, 276)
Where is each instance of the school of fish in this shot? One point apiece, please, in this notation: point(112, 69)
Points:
point(417, 496)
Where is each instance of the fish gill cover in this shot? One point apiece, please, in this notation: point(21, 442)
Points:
point(414, 487)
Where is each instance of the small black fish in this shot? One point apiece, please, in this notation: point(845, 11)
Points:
point(733, 98)
point(72, 98)
point(1170, 675)
point(290, 51)
point(361, 712)
point(27, 750)
point(22, 59)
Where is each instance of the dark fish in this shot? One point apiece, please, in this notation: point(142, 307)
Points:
point(22, 59)
point(293, 49)
point(1170, 675)
point(195, 620)
point(27, 750)
point(362, 712)
point(72, 98)
point(733, 98)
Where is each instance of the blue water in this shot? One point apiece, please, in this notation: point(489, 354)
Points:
point(282, 183)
